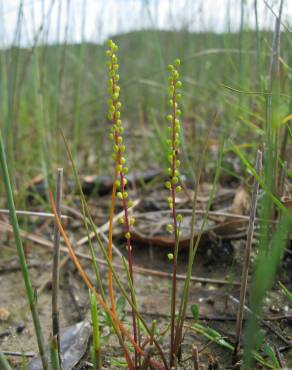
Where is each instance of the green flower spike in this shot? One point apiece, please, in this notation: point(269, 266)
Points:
point(173, 183)
point(116, 135)
point(173, 133)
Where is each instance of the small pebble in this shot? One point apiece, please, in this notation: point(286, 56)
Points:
point(274, 309)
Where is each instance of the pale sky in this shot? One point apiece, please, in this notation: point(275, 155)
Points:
point(96, 20)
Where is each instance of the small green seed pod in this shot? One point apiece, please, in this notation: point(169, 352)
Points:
point(121, 220)
point(175, 180)
point(168, 185)
point(177, 62)
point(175, 74)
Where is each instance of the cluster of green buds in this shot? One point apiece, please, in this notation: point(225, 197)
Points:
point(173, 141)
point(116, 135)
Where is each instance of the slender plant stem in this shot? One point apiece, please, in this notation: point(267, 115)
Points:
point(56, 263)
point(119, 174)
point(182, 311)
point(91, 287)
point(96, 347)
point(248, 246)
point(25, 272)
point(153, 331)
point(32, 213)
point(19, 354)
point(273, 113)
point(55, 356)
point(114, 319)
point(130, 263)
point(258, 54)
point(105, 254)
point(10, 128)
point(110, 243)
point(195, 356)
point(78, 127)
point(271, 153)
point(173, 296)
point(62, 66)
point(114, 190)
point(173, 143)
point(194, 245)
point(282, 179)
point(86, 220)
point(146, 363)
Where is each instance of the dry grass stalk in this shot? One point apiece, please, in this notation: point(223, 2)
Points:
point(248, 246)
point(56, 263)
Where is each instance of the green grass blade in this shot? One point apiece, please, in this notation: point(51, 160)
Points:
point(96, 347)
point(267, 263)
point(54, 354)
point(287, 293)
point(24, 269)
point(4, 363)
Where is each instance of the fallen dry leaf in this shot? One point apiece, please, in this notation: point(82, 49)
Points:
point(241, 202)
point(4, 314)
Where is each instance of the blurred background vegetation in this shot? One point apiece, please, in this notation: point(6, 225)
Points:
point(53, 75)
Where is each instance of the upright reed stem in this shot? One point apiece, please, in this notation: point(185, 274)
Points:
point(96, 347)
point(248, 246)
point(56, 261)
point(22, 261)
point(194, 245)
point(55, 356)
